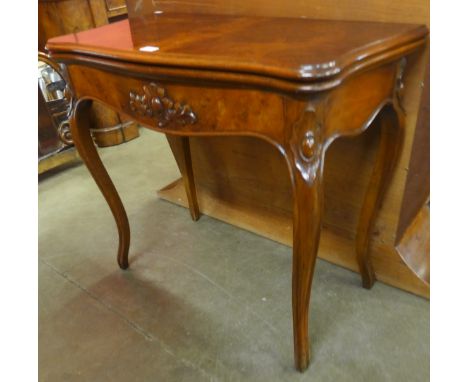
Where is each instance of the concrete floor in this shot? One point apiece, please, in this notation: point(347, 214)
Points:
point(201, 301)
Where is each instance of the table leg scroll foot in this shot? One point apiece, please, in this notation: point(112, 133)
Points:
point(84, 144)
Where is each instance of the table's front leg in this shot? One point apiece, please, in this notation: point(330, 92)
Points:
point(305, 160)
point(308, 201)
point(80, 130)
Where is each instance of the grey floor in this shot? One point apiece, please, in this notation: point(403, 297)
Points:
point(201, 301)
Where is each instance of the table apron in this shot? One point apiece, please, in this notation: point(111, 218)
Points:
point(207, 110)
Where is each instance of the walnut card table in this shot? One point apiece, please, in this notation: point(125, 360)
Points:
point(297, 83)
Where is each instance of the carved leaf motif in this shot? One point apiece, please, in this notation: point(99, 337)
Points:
point(155, 103)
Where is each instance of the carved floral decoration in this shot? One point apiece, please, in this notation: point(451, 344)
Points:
point(155, 103)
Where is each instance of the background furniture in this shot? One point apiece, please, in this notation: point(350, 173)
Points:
point(55, 146)
point(59, 17)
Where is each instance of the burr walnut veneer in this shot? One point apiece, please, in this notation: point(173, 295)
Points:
point(296, 83)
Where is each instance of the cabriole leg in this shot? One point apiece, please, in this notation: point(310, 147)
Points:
point(79, 126)
point(391, 123)
point(308, 207)
point(304, 153)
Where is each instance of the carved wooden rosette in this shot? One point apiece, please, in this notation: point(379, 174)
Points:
point(307, 143)
point(155, 103)
point(64, 128)
point(64, 132)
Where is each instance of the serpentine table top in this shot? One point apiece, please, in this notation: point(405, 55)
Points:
point(296, 83)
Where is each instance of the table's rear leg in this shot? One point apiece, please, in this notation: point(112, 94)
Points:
point(390, 142)
point(181, 146)
point(79, 126)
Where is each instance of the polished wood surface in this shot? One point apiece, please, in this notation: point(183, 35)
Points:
point(254, 45)
point(299, 104)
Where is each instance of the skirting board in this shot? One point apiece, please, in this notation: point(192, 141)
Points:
point(389, 266)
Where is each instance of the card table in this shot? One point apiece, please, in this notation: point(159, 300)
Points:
point(297, 83)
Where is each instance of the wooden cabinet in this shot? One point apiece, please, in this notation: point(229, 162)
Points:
point(59, 17)
point(115, 8)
